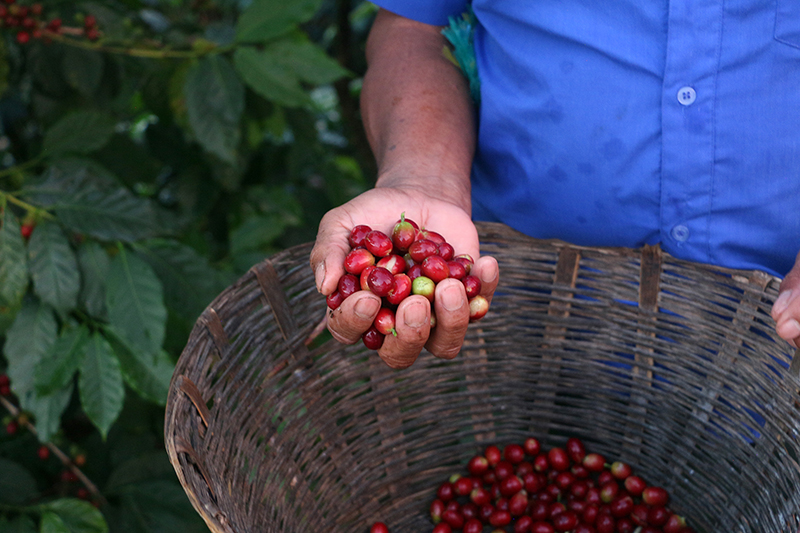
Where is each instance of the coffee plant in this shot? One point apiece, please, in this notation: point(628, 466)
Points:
point(151, 151)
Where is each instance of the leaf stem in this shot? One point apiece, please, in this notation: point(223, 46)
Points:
point(37, 211)
point(22, 166)
point(63, 457)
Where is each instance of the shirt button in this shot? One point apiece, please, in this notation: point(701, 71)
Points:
point(687, 95)
point(680, 233)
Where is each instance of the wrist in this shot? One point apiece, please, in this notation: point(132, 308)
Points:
point(453, 188)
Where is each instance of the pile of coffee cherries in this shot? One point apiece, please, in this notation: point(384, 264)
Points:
point(525, 489)
point(409, 261)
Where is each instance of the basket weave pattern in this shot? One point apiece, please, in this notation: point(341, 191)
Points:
point(671, 366)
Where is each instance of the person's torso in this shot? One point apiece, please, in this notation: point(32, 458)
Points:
point(623, 123)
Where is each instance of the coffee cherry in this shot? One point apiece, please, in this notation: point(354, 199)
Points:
point(436, 510)
point(423, 286)
point(634, 485)
point(657, 515)
point(575, 450)
point(385, 323)
point(620, 470)
point(655, 496)
point(357, 260)
point(23, 37)
point(393, 263)
point(379, 527)
point(456, 270)
point(442, 528)
point(380, 281)
point(514, 453)
point(357, 234)
point(594, 462)
point(453, 518)
point(89, 21)
point(334, 300)
point(372, 338)
point(4, 380)
point(531, 445)
point(378, 243)
point(36, 9)
point(12, 427)
point(446, 251)
point(401, 289)
point(478, 465)
point(404, 233)
point(421, 249)
point(435, 268)
point(478, 307)
point(43, 452)
point(500, 518)
point(565, 521)
point(348, 285)
point(5, 390)
point(472, 285)
point(542, 527)
point(473, 525)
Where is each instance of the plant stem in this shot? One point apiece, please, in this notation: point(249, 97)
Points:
point(149, 53)
point(63, 457)
point(39, 212)
point(19, 168)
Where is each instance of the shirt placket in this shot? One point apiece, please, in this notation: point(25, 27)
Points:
point(688, 101)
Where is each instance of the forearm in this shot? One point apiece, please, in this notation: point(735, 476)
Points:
point(417, 111)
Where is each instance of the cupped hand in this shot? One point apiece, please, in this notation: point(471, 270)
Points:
point(380, 208)
point(786, 309)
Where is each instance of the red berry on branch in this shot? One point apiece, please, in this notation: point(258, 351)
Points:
point(5, 390)
point(54, 25)
point(9, 2)
point(92, 34)
point(23, 37)
point(12, 427)
point(36, 9)
point(43, 452)
point(26, 229)
point(3, 11)
point(89, 21)
point(4, 379)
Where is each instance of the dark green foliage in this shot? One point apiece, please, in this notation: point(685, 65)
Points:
point(140, 174)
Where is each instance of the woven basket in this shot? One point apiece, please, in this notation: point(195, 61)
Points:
point(671, 366)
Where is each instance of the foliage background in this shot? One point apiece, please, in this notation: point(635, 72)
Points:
point(154, 165)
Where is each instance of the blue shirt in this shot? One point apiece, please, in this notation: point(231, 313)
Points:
point(633, 122)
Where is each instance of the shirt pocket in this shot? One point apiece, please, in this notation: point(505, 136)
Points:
point(787, 22)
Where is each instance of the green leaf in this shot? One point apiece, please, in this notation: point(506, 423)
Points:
point(17, 484)
point(150, 466)
point(79, 516)
point(101, 387)
point(256, 233)
point(189, 281)
point(135, 302)
point(266, 19)
point(307, 60)
point(94, 263)
point(80, 132)
point(52, 523)
point(148, 376)
point(13, 261)
point(47, 411)
point(269, 77)
point(54, 268)
point(161, 507)
point(82, 69)
point(20, 524)
point(87, 199)
point(56, 369)
point(29, 339)
point(215, 103)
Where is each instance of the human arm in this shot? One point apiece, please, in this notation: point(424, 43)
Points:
point(786, 310)
point(420, 125)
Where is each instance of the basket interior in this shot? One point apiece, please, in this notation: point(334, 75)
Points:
point(670, 366)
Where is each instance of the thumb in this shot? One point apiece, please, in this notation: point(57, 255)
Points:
point(327, 255)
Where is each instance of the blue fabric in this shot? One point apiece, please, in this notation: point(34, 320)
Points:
point(582, 135)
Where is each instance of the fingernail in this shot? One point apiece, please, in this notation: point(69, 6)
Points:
point(452, 300)
point(415, 315)
point(792, 328)
point(319, 276)
point(366, 308)
point(782, 302)
point(487, 279)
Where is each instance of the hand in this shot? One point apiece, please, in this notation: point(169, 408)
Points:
point(786, 310)
point(380, 208)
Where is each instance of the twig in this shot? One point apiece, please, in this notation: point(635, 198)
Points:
point(63, 457)
point(151, 53)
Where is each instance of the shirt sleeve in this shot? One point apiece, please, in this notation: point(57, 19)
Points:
point(435, 12)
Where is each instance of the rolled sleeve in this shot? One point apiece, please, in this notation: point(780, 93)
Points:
point(427, 11)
